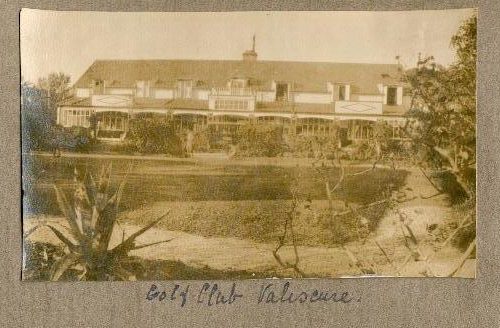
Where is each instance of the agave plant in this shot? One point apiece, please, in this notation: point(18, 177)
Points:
point(91, 219)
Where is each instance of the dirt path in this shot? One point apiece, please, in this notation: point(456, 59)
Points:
point(237, 254)
point(217, 253)
point(421, 212)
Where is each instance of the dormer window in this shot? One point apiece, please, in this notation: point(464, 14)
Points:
point(238, 83)
point(97, 87)
point(184, 88)
point(142, 89)
point(341, 92)
point(393, 95)
point(282, 89)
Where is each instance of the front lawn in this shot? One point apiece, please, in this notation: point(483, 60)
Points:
point(223, 200)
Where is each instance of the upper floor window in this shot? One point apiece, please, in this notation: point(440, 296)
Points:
point(392, 96)
point(281, 91)
point(238, 83)
point(339, 91)
point(342, 92)
point(97, 87)
point(184, 88)
point(142, 89)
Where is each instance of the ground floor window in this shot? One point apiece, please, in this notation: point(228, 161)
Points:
point(75, 117)
point(360, 130)
point(314, 126)
point(189, 122)
point(112, 121)
point(284, 122)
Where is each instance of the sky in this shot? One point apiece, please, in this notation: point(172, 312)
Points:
point(69, 42)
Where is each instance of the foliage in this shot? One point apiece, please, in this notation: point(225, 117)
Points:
point(312, 146)
point(443, 126)
point(260, 140)
point(461, 221)
point(201, 141)
point(56, 86)
point(155, 136)
point(443, 115)
point(76, 138)
point(36, 120)
point(38, 117)
point(91, 220)
point(354, 225)
point(360, 150)
point(380, 146)
point(468, 232)
point(40, 257)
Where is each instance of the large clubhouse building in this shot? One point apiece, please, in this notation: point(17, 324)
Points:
point(304, 97)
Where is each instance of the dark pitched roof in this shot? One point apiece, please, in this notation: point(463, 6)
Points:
point(306, 76)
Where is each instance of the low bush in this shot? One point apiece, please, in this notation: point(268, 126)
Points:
point(77, 139)
point(154, 136)
point(201, 141)
point(311, 146)
point(260, 140)
point(461, 217)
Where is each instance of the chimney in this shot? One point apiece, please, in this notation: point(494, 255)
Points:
point(250, 55)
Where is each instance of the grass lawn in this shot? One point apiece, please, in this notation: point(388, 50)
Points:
point(221, 199)
point(260, 221)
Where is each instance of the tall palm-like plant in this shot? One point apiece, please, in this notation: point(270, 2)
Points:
point(91, 219)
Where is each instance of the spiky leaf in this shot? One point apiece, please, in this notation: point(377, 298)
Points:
point(63, 264)
point(69, 213)
point(90, 188)
point(104, 226)
point(72, 247)
point(129, 243)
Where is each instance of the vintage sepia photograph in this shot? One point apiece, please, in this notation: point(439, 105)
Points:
point(248, 145)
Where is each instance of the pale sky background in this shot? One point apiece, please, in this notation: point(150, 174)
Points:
point(70, 41)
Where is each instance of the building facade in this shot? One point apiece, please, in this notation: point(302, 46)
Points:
point(307, 98)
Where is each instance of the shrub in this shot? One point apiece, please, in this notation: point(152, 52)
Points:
point(360, 150)
point(75, 138)
point(201, 141)
point(468, 233)
point(260, 140)
point(312, 146)
point(154, 136)
point(460, 225)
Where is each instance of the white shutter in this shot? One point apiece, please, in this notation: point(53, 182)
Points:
point(400, 96)
point(385, 94)
point(189, 90)
point(347, 92)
